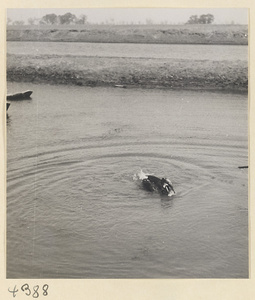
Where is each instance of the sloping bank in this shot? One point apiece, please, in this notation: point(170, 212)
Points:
point(152, 34)
point(131, 72)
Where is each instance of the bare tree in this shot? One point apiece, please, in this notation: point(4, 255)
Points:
point(193, 19)
point(49, 19)
point(203, 19)
point(19, 23)
point(81, 20)
point(31, 21)
point(67, 18)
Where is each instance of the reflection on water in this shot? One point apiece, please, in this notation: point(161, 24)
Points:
point(74, 210)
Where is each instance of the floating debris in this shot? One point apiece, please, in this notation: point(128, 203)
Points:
point(19, 96)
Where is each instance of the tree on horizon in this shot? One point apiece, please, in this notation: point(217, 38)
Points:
point(203, 19)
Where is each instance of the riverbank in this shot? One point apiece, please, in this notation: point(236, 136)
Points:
point(129, 72)
point(144, 34)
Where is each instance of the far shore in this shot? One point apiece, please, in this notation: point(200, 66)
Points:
point(145, 34)
point(131, 72)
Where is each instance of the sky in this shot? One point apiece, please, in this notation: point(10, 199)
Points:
point(137, 15)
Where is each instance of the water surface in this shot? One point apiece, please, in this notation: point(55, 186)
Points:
point(194, 52)
point(74, 210)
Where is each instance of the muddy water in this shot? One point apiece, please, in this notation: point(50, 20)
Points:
point(194, 52)
point(74, 209)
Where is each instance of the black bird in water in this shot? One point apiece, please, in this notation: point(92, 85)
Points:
point(152, 183)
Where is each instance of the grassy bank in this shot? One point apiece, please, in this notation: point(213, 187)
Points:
point(150, 34)
point(132, 72)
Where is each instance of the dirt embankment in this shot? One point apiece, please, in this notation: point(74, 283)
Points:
point(130, 72)
point(156, 34)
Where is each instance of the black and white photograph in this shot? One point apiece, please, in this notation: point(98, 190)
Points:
point(127, 143)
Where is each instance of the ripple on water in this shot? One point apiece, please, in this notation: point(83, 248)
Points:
point(74, 209)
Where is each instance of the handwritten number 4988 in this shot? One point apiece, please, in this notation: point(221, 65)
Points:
point(26, 289)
